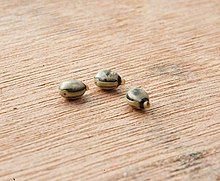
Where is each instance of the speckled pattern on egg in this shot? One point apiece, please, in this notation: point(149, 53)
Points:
point(107, 79)
point(72, 89)
point(137, 98)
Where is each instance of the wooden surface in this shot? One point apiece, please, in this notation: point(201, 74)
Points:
point(170, 48)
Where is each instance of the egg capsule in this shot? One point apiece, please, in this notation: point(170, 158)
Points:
point(108, 80)
point(72, 89)
point(138, 98)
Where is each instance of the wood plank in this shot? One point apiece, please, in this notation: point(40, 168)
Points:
point(169, 48)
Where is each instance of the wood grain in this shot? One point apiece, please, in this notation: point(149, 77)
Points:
point(170, 48)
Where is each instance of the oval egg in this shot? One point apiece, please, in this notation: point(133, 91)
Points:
point(107, 79)
point(72, 89)
point(138, 98)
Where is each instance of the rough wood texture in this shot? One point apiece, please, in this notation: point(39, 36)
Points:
point(171, 48)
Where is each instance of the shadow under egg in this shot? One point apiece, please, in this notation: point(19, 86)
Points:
point(112, 91)
point(78, 100)
point(141, 111)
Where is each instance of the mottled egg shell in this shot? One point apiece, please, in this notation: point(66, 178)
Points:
point(107, 79)
point(72, 89)
point(137, 98)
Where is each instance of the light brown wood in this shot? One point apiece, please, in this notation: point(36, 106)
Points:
point(170, 48)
